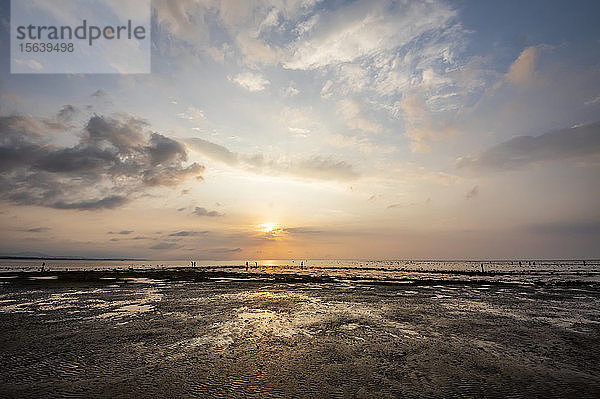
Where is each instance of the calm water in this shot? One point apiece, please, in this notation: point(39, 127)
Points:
point(497, 270)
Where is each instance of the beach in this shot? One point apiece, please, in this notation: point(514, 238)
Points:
point(193, 333)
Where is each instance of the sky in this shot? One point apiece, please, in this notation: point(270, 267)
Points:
point(298, 129)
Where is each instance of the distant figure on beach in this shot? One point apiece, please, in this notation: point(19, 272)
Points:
point(302, 265)
point(482, 268)
point(246, 265)
point(255, 264)
point(43, 266)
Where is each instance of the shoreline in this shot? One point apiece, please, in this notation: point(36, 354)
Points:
point(207, 274)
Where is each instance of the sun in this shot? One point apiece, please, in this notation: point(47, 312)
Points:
point(269, 227)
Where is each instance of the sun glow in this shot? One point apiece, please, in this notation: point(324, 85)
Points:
point(269, 227)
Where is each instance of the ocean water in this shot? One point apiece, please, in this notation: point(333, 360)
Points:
point(525, 271)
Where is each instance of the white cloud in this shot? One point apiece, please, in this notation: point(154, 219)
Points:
point(290, 91)
point(192, 114)
point(311, 168)
point(420, 127)
point(354, 118)
point(325, 90)
point(250, 81)
point(256, 52)
point(365, 29)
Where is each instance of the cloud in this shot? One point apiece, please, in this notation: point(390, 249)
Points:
point(290, 91)
point(302, 231)
point(255, 52)
point(113, 161)
point(315, 167)
point(420, 127)
point(165, 245)
point(199, 211)
point(472, 193)
point(354, 118)
point(521, 71)
point(37, 230)
point(322, 168)
point(188, 233)
point(224, 250)
point(183, 19)
point(192, 114)
point(251, 81)
point(524, 150)
point(110, 202)
point(66, 113)
point(100, 94)
point(364, 29)
point(213, 151)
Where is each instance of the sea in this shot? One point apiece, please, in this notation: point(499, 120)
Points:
point(514, 271)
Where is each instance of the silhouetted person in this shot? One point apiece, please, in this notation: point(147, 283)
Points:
point(43, 266)
point(246, 265)
point(482, 268)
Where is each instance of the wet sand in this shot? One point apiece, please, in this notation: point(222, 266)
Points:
point(221, 335)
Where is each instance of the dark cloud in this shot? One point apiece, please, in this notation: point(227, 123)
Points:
point(100, 94)
point(199, 211)
point(105, 203)
point(315, 167)
point(115, 160)
point(125, 232)
point(37, 230)
point(521, 151)
point(14, 127)
point(187, 233)
point(165, 245)
point(567, 227)
point(301, 230)
point(224, 250)
point(67, 112)
point(472, 193)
